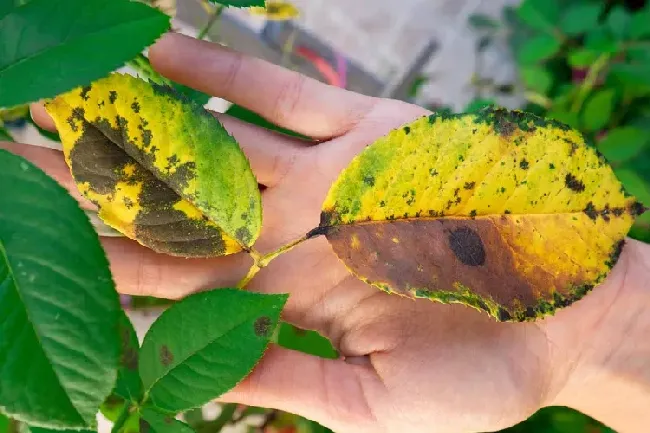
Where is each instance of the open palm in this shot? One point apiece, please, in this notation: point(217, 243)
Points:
point(407, 366)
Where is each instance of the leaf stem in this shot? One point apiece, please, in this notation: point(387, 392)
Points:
point(214, 17)
point(261, 261)
point(590, 81)
point(121, 419)
point(13, 426)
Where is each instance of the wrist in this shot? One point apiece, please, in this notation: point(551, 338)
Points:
point(600, 347)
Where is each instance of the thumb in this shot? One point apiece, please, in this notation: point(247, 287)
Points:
point(328, 391)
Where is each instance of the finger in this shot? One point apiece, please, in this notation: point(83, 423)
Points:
point(284, 97)
point(329, 391)
point(139, 271)
point(51, 162)
point(271, 154)
point(41, 117)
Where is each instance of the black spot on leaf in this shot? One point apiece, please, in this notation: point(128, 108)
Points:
point(262, 326)
point(407, 130)
point(523, 164)
point(469, 185)
point(84, 92)
point(112, 96)
point(369, 180)
point(467, 246)
point(573, 183)
point(591, 211)
point(135, 107)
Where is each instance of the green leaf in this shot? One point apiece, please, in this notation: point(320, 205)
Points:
point(155, 422)
point(129, 384)
point(305, 341)
point(632, 74)
point(483, 22)
point(58, 306)
point(598, 110)
point(537, 78)
point(624, 143)
point(601, 41)
point(89, 37)
point(564, 116)
point(634, 184)
point(580, 18)
point(582, 58)
point(618, 22)
point(4, 423)
point(240, 3)
point(538, 48)
point(540, 14)
point(639, 27)
point(478, 104)
point(204, 345)
point(5, 135)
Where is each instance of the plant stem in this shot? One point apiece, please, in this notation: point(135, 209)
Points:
point(121, 419)
point(13, 426)
point(261, 261)
point(539, 99)
point(214, 17)
point(590, 81)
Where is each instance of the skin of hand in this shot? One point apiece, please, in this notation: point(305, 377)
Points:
point(406, 366)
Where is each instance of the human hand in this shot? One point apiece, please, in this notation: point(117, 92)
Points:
point(407, 366)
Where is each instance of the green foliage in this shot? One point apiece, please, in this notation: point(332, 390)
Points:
point(58, 306)
point(239, 3)
point(558, 420)
point(310, 342)
point(587, 64)
point(43, 35)
point(204, 345)
point(156, 422)
point(129, 384)
point(5, 135)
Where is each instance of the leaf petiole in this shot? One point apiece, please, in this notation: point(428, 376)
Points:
point(261, 261)
point(121, 419)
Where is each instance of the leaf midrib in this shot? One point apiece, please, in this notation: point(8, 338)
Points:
point(12, 276)
point(66, 41)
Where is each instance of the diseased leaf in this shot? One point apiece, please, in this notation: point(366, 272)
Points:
point(129, 384)
point(500, 210)
point(90, 37)
point(276, 11)
point(204, 345)
point(624, 143)
point(160, 167)
point(598, 110)
point(58, 305)
point(152, 421)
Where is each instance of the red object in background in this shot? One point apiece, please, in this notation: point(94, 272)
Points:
point(332, 76)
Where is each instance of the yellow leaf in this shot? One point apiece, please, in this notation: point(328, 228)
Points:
point(276, 11)
point(500, 210)
point(161, 169)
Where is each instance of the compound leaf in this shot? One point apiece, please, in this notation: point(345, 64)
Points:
point(90, 37)
point(204, 345)
point(503, 211)
point(161, 168)
point(58, 306)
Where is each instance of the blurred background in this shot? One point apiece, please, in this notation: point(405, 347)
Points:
point(583, 62)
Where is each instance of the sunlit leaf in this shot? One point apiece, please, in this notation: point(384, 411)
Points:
point(58, 305)
point(49, 47)
point(276, 11)
point(204, 345)
point(503, 211)
point(161, 168)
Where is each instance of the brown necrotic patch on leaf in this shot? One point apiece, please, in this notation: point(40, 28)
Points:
point(166, 356)
point(262, 326)
point(573, 183)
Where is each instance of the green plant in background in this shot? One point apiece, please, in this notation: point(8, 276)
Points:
point(585, 63)
point(59, 311)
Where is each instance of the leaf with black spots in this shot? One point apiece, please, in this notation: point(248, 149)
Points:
point(276, 11)
point(501, 210)
point(59, 311)
point(204, 345)
point(161, 168)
